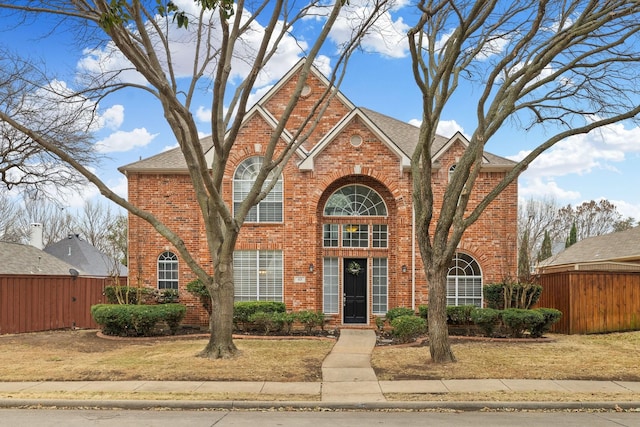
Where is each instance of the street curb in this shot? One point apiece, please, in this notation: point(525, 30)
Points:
point(633, 406)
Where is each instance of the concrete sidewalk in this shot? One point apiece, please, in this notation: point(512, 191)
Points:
point(348, 381)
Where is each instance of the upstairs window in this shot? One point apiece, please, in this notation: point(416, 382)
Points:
point(355, 200)
point(270, 208)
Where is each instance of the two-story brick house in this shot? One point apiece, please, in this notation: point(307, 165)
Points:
point(336, 234)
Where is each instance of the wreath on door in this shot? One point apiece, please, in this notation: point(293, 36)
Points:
point(354, 268)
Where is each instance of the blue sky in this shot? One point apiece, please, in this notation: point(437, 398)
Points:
point(589, 167)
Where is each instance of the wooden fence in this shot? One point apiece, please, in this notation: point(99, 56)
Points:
point(40, 303)
point(592, 301)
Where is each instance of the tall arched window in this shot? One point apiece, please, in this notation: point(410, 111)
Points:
point(464, 281)
point(270, 208)
point(168, 271)
point(355, 200)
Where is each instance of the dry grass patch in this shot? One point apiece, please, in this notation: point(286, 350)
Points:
point(82, 356)
point(578, 357)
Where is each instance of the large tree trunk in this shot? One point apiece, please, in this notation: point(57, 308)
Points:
point(439, 345)
point(220, 343)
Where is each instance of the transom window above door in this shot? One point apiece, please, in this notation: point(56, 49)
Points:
point(355, 200)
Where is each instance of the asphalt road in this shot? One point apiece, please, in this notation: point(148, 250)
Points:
point(158, 418)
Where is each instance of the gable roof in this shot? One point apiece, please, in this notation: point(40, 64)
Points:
point(399, 136)
point(619, 247)
point(84, 257)
point(16, 258)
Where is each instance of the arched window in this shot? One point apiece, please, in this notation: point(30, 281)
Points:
point(270, 208)
point(168, 271)
point(355, 200)
point(464, 281)
point(451, 171)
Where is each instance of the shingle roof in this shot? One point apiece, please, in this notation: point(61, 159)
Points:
point(167, 161)
point(620, 246)
point(16, 258)
point(403, 134)
point(85, 257)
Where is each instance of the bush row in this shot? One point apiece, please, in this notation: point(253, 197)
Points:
point(137, 320)
point(490, 322)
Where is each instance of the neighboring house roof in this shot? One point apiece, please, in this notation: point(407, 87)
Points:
point(403, 136)
point(85, 257)
point(614, 251)
point(16, 258)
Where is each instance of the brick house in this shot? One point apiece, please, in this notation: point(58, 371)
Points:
point(336, 234)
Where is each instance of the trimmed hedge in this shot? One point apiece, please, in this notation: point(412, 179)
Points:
point(550, 316)
point(487, 319)
point(399, 311)
point(243, 310)
point(136, 320)
point(408, 327)
point(518, 320)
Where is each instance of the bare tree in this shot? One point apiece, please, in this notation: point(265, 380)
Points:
point(57, 222)
point(590, 218)
point(9, 214)
point(538, 217)
point(560, 65)
point(29, 96)
point(142, 32)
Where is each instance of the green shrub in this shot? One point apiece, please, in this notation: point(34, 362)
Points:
point(310, 319)
point(459, 314)
point(493, 295)
point(136, 320)
point(380, 323)
point(284, 321)
point(550, 316)
point(486, 318)
point(408, 327)
point(399, 311)
point(168, 296)
point(518, 320)
point(243, 310)
point(423, 311)
point(199, 290)
point(511, 295)
point(263, 321)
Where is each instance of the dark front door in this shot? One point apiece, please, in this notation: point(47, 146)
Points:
point(355, 290)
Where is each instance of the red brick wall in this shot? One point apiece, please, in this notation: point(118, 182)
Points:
point(491, 241)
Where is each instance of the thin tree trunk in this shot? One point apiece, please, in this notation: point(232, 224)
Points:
point(220, 345)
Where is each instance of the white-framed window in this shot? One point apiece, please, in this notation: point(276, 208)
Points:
point(258, 275)
point(268, 209)
point(168, 270)
point(464, 281)
point(330, 285)
point(452, 169)
point(330, 235)
point(355, 236)
point(380, 236)
point(355, 200)
point(380, 285)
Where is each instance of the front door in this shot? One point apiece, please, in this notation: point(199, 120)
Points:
point(355, 290)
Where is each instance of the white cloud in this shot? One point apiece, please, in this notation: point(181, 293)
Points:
point(580, 154)
point(446, 128)
point(538, 188)
point(112, 117)
point(203, 114)
point(122, 141)
point(627, 209)
point(386, 37)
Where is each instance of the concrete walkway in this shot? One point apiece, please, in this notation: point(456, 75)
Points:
point(348, 380)
point(347, 375)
